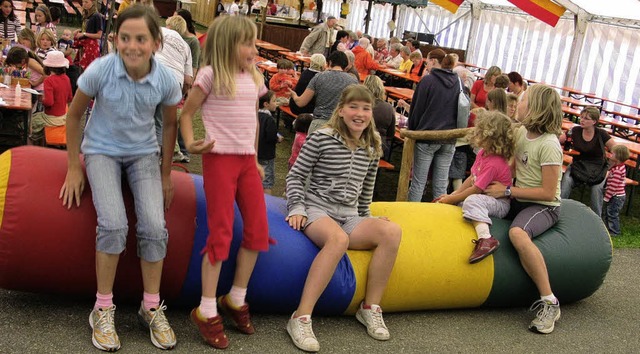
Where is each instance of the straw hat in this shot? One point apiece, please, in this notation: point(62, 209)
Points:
point(56, 59)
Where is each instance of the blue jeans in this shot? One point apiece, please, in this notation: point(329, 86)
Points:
point(143, 176)
point(597, 191)
point(441, 155)
point(269, 173)
point(611, 214)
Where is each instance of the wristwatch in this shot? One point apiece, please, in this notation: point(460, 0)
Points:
point(507, 192)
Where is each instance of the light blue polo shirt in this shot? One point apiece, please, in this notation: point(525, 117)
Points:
point(121, 122)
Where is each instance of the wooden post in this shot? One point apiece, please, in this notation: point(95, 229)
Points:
point(410, 137)
point(394, 18)
point(263, 21)
point(405, 170)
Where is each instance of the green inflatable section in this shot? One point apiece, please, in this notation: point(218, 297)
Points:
point(577, 251)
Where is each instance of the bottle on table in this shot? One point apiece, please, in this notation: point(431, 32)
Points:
point(18, 94)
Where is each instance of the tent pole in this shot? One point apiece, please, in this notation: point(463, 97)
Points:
point(367, 18)
point(394, 17)
point(476, 10)
point(580, 23)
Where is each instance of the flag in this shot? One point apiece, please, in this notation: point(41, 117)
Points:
point(450, 5)
point(546, 11)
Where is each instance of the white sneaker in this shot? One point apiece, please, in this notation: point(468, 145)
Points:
point(372, 319)
point(301, 333)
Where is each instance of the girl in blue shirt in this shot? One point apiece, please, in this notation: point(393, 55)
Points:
point(119, 140)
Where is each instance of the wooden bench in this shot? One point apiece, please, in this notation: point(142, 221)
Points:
point(385, 165)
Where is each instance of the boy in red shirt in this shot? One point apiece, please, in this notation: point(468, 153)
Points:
point(283, 81)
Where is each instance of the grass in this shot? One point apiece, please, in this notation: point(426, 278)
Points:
point(387, 184)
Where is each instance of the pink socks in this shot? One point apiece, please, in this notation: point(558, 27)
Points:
point(237, 296)
point(150, 301)
point(103, 301)
point(208, 307)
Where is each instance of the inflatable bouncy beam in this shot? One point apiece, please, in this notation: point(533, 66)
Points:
point(47, 248)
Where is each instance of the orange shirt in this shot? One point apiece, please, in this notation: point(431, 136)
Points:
point(280, 83)
point(364, 62)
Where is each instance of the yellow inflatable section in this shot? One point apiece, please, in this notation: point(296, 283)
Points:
point(432, 269)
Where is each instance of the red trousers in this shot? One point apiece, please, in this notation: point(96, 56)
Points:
point(229, 178)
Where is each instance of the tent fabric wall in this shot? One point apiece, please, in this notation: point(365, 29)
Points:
point(609, 67)
point(523, 44)
point(432, 19)
point(519, 42)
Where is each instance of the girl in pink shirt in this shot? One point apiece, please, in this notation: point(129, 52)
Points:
point(494, 136)
point(301, 125)
point(227, 89)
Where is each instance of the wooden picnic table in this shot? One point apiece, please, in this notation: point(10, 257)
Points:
point(296, 57)
point(22, 6)
point(270, 46)
point(400, 74)
point(265, 65)
point(614, 114)
point(619, 127)
point(399, 93)
point(577, 103)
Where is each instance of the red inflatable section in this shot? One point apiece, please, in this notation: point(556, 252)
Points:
point(40, 238)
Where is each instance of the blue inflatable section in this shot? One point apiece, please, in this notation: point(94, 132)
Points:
point(192, 286)
point(279, 276)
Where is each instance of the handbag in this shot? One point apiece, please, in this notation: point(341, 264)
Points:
point(464, 108)
point(590, 172)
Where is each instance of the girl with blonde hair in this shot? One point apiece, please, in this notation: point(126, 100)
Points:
point(497, 100)
point(494, 136)
point(384, 115)
point(481, 88)
point(227, 89)
point(345, 152)
point(535, 197)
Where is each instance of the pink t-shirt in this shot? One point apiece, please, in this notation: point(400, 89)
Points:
point(490, 168)
point(296, 147)
point(231, 122)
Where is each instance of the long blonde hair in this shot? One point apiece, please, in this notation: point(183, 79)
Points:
point(544, 110)
point(493, 132)
point(370, 138)
point(224, 36)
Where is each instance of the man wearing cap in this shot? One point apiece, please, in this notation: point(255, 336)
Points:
point(320, 39)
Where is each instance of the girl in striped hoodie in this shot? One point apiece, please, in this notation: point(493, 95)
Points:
point(341, 161)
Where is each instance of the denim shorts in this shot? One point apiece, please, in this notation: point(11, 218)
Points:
point(105, 175)
point(346, 217)
point(269, 173)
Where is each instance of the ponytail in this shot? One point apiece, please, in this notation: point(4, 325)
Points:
point(449, 61)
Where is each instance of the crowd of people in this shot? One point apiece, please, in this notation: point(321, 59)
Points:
point(342, 130)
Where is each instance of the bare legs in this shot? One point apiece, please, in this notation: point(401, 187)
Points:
point(381, 235)
point(531, 259)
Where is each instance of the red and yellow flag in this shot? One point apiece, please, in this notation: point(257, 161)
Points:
point(450, 5)
point(546, 11)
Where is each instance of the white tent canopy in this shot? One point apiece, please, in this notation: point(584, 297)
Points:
point(592, 48)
